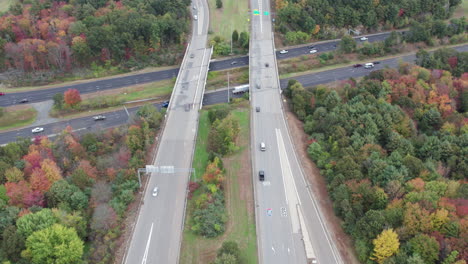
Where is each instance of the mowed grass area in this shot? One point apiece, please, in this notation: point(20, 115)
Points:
point(218, 79)
point(156, 89)
point(232, 16)
point(239, 198)
point(17, 118)
point(200, 158)
point(5, 4)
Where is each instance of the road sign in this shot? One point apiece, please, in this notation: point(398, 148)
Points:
point(256, 12)
point(166, 169)
point(151, 168)
point(266, 13)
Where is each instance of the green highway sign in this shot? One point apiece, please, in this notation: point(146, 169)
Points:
point(266, 13)
point(256, 12)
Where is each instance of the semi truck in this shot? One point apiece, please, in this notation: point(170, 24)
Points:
point(241, 89)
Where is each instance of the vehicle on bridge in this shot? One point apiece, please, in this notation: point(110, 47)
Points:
point(241, 89)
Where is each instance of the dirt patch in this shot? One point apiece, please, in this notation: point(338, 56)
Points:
point(319, 188)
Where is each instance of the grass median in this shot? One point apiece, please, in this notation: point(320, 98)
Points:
point(232, 16)
point(110, 99)
point(240, 226)
point(17, 118)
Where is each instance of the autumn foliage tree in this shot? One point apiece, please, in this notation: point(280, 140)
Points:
point(385, 245)
point(72, 97)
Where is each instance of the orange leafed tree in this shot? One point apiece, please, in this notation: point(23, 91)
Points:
point(39, 181)
point(72, 97)
point(51, 170)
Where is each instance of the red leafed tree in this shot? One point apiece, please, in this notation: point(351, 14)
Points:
point(39, 181)
point(453, 62)
point(16, 191)
point(88, 169)
point(34, 198)
point(33, 160)
point(72, 97)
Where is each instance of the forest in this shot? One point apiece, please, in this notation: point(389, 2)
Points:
point(58, 36)
point(64, 200)
point(313, 16)
point(393, 148)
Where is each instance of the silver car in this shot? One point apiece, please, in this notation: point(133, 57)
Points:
point(155, 191)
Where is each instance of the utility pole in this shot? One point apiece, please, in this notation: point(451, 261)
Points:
point(228, 88)
point(231, 39)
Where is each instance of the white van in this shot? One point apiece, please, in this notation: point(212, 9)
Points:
point(369, 65)
point(262, 146)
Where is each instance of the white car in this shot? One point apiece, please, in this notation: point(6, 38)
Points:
point(312, 51)
point(363, 39)
point(155, 191)
point(99, 117)
point(314, 261)
point(283, 51)
point(37, 129)
point(195, 17)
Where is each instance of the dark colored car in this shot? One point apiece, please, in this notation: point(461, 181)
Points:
point(357, 65)
point(233, 62)
point(311, 47)
point(261, 175)
point(2, 93)
point(376, 62)
point(25, 100)
point(267, 65)
point(165, 104)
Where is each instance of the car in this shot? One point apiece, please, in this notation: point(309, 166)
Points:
point(262, 146)
point(165, 104)
point(363, 38)
point(261, 175)
point(313, 261)
point(269, 212)
point(195, 17)
point(155, 191)
point(313, 51)
point(369, 65)
point(357, 65)
point(311, 47)
point(25, 100)
point(257, 109)
point(267, 65)
point(194, 7)
point(192, 55)
point(37, 129)
point(376, 62)
point(187, 107)
point(233, 62)
point(2, 93)
point(99, 117)
point(283, 51)
point(258, 86)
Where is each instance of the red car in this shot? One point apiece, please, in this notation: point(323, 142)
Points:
point(2, 93)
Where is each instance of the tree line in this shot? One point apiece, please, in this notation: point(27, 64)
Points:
point(319, 17)
point(393, 149)
point(60, 35)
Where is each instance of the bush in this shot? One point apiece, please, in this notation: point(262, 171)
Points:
point(219, 4)
point(210, 221)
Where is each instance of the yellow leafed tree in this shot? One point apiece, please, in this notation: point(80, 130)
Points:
point(385, 245)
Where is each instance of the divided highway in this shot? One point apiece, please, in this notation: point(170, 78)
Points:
point(12, 98)
point(117, 118)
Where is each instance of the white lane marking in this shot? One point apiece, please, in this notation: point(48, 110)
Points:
point(145, 256)
point(260, 16)
point(288, 182)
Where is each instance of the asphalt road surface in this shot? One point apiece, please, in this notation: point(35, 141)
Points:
point(344, 73)
point(158, 231)
point(12, 98)
point(289, 228)
point(120, 117)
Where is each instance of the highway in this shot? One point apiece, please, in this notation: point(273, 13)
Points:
point(120, 117)
point(289, 226)
point(91, 86)
point(158, 231)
